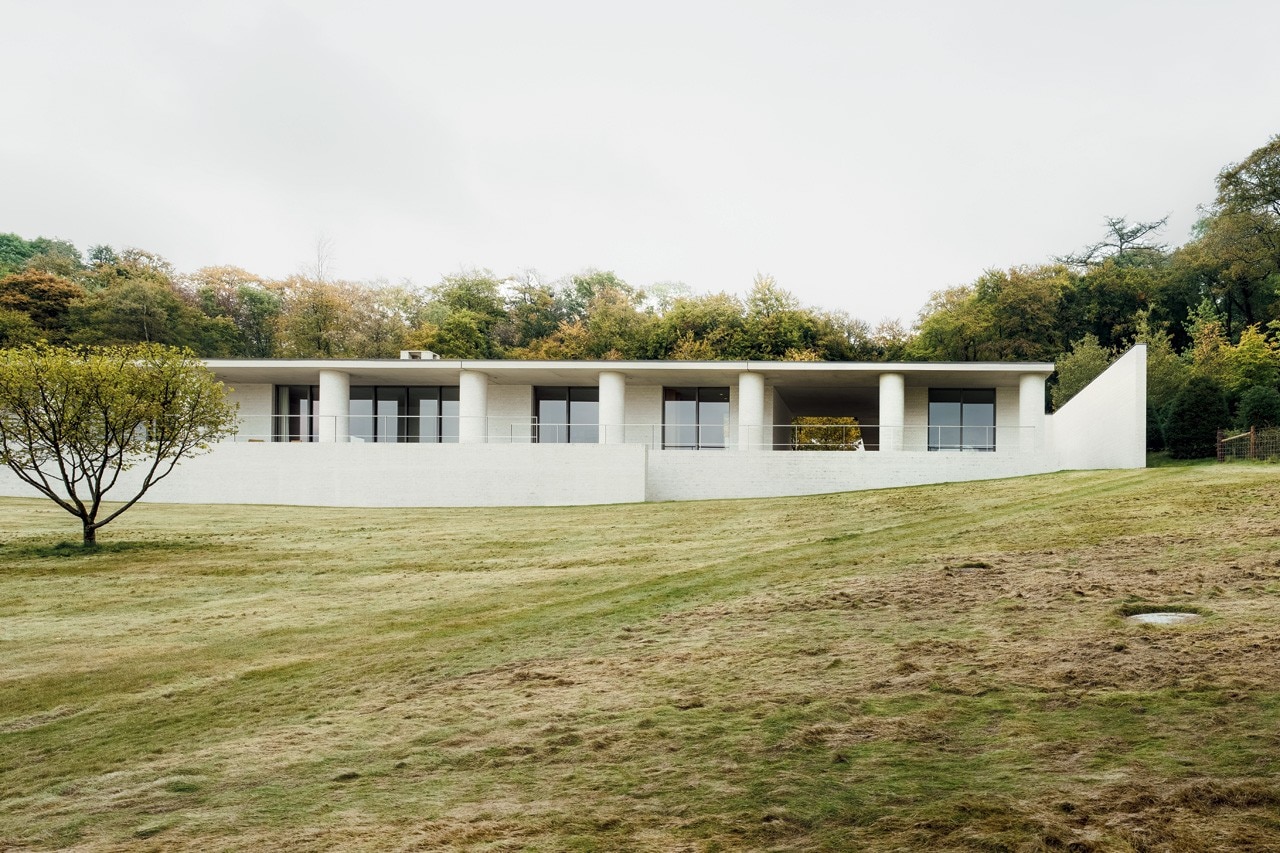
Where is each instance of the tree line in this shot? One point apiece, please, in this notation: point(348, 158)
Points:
point(49, 292)
point(1209, 309)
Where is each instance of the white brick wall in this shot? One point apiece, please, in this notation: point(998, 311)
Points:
point(368, 474)
point(256, 405)
point(510, 414)
point(1007, 414)
point(915, 436)
point(1008, 435)
point(702, 474)
point(731, 434)
point(644, 414)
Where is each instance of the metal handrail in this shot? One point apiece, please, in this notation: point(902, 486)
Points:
point(492, 429)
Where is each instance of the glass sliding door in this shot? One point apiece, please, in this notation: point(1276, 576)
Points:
point(375, 413)
point(945, 411)
point(695, 418)
point(449, 415)
point(420, 414)
point(428, 415)
point(423, 421)
point(584, 415)
point(296, 413)
point(360, 414)
point(390, 405)
point(713, 417)
point(979, 420)
point(567, 415)
point(680, 418)
point(552, 411)
point(962, 419)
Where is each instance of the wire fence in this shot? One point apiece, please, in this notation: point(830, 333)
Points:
point(1254, 444)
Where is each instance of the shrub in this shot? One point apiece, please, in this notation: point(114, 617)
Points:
point(1259, 407)
point(1078, 368)
point(1197, 413)
point(1155, 428)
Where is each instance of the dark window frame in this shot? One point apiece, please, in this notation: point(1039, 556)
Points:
point(295, 413)
point(573, 430)
point(303, 407)
point(959, 431)
point(692, 435)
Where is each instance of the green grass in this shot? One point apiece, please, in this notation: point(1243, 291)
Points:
point(938, 668)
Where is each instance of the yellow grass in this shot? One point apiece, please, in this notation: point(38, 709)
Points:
point(933, 668)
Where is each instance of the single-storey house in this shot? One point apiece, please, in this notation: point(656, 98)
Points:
point(427, 431)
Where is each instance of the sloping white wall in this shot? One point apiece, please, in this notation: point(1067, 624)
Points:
point(701, 474)
point(1105, 425)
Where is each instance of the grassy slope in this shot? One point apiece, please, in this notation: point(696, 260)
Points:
point(930, 668)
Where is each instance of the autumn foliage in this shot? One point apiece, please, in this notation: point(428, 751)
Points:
point(1210, 307)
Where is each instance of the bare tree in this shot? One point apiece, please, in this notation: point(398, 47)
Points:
point(1122, 238)
point(322, 268)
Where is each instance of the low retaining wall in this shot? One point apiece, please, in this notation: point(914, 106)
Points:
point(676, 475)
point(369, 475)
point(408, 475)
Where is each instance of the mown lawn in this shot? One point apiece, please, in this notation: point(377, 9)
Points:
point(941, 668)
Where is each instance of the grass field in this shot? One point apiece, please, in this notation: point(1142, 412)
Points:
point(941, 668)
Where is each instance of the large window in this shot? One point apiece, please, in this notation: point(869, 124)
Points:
point(567, 415)
point(396, 413)
point(962, 419)
point(382, 413)
point(297, 416)
point(695, 418)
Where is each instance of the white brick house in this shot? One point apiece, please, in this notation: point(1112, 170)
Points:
point(436, 432)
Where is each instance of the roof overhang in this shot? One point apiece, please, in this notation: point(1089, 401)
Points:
point(794, 374)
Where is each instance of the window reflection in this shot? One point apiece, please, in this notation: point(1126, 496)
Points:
point(695, 418)
point(962, 419)
point(296, 413)
point(377, 413)
point(567, 415)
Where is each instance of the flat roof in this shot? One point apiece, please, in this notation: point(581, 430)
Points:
point(799, 374)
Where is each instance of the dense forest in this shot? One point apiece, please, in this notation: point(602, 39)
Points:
point(1209, 310)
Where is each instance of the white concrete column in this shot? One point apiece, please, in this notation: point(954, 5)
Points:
point(335, 405)
point(1030, 411)
point(473, 407)
point(751, 435)
point(613, 407)
point(893, 410)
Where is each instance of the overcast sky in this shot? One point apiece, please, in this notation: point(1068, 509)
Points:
point(863, 153)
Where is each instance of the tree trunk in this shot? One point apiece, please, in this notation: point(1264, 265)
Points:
point(90, 534)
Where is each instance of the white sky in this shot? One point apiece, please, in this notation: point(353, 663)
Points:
point(864, 153)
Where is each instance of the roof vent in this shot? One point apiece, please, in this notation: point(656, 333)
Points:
point(418, 355)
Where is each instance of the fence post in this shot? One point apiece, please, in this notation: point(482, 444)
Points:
point(1222, 448)
point(1253, 442)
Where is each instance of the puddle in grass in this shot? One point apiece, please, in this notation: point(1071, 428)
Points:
point(1164, 618)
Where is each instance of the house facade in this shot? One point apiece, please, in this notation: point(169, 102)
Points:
point(422, 431)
